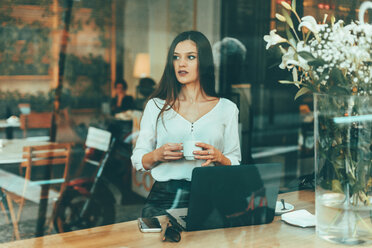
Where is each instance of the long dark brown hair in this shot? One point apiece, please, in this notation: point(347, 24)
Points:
point(169, 88)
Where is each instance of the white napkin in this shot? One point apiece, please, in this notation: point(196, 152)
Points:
point(300, 218)
point(12, 119)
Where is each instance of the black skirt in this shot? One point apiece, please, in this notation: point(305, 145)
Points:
point(166, 195)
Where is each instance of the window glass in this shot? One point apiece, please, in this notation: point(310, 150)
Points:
point(86, 68)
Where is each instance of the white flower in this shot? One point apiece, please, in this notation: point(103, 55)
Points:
point(295, 76)
point(286, 5)
point(280, 17)
point(273, 39)
point(338, 24)
point(347, 48)
point(293, 62)
point(302, 47)
point(288, 55)
point(310, 23)
point(341, 34)
point(367, 29)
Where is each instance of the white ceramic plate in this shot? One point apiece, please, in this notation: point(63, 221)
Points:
point(279, 208)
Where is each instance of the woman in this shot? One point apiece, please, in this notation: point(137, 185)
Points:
point(185, 104)
point(121, 102)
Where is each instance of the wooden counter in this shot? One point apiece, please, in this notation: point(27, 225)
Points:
point(275, 234)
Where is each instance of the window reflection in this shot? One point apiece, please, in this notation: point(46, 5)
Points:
point(103, 42)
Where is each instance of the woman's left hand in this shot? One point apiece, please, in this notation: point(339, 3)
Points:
point(209, 153)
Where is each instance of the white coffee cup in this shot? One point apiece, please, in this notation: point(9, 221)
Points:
point(189, 147)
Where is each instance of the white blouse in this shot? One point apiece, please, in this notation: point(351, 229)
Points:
point(218, 127)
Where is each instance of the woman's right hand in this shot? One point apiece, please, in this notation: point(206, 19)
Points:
point(169, 152)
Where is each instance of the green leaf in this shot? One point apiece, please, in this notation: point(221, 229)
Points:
point(337, 77)
point(290, 37)
point(337, 90)
point(333, 20)
point(294, 4)
point(310, 86)
point(301, 92)
point(288, 18)
point(316, 63)
point(311, 60)
point(307, 56)
point(289, 82)
point(336, 186)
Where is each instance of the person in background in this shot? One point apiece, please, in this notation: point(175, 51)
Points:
point(145, 87)
point(185, 104)
point(121, 101)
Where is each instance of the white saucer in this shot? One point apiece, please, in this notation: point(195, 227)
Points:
point(279, 206)
point(301, 218)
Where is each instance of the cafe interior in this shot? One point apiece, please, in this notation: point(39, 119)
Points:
point(60, 61)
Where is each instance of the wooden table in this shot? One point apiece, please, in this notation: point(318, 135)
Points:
point(11, 153)
point(5, 124)
point(126, 234)
point(12, 150)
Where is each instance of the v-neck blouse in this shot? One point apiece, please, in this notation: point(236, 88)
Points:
point(206, 114)
point(218, 127)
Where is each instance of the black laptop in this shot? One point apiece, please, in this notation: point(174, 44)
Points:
point(230, 196)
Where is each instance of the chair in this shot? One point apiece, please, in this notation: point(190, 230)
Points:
point(35, 120)
point(4, 205)
point(24, 108)
point(97, 144)
point(19, 189)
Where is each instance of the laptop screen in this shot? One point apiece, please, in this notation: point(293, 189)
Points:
point(228, 196)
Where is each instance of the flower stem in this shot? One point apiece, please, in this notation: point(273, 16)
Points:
point(291, 45)
point(335, 219)
point(294, 31)
point(364, 223)
point(299, 20)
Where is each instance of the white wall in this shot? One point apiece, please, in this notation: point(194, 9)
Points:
point(158, 45)
point(150, 26)
point(136, 37)
point(208, 19)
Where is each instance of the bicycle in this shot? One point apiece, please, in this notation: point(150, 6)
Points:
point(86, 202)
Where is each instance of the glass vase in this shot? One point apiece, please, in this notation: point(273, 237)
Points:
point(343, 167)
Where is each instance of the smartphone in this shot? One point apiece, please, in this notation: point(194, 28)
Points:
point(149, 224)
